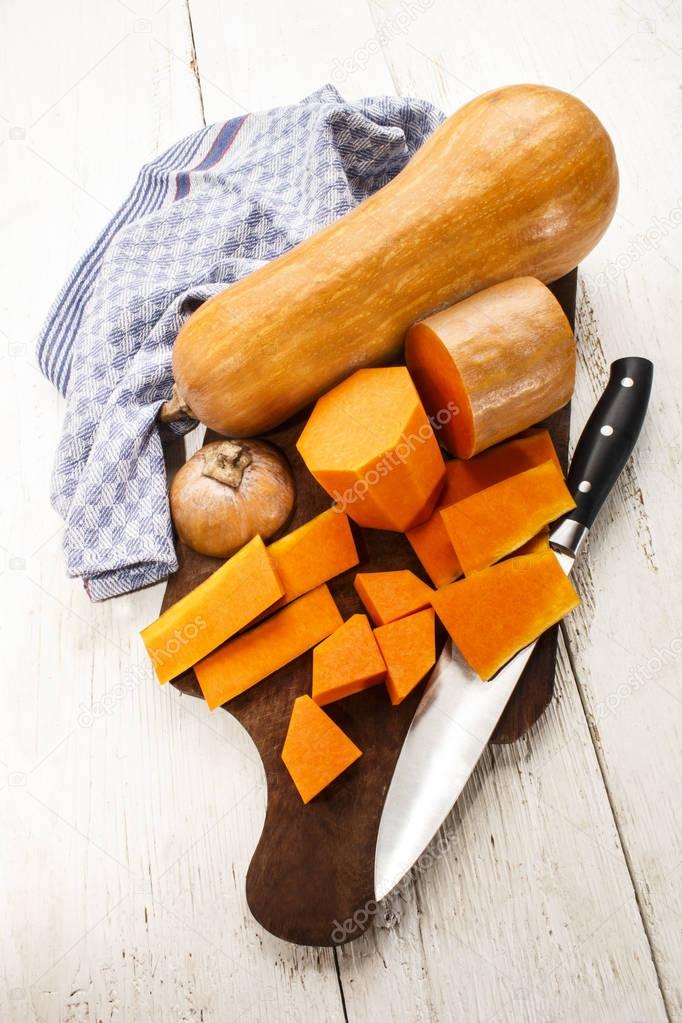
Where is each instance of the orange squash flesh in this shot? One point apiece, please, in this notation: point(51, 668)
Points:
point(408, 646)
point(504, 358)
point(536, 544)
point(369, 444)
point(522, 180)
point(388, 596)
point(347, 662)
point(468, 476)
point(430, 540)
point(252, 656)
point(496, 521)
point(495, 613)
point(314, 553)
point(226, 602)
point(315, 751)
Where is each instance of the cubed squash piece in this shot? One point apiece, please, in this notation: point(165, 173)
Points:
point(370, 445)
point(408, 646)
point(316, 750)
point(493, 614)
point(347, 662)
point(251, 657)
point(314, 553)
point(391, 595)
point(496, 521)
point(222, 605)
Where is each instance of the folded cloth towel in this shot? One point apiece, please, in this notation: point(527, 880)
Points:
point(211, 209)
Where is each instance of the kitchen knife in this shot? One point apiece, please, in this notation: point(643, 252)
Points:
point(458, 712)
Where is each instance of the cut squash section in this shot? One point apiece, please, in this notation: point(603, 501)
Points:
point(251, 657)
point(315, 751)
point(430, 541)
point(408, 647)
point(388, 596)
point(496, 521)
point(314, 553)
point(370, 445)
point(495, 613)
point(347, 662)
point(503, 358)
point(226, 602)
point(468, 476)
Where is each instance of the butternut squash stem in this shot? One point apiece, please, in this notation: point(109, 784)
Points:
point(175, 408)
point(227, 463)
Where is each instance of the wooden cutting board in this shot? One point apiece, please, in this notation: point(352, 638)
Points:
point(310, 880)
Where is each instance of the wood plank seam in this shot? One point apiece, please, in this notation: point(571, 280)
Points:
point(194, 60)
point(603, 771)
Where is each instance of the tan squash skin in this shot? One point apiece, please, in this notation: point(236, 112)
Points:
point(520, 182)
point(504, 358)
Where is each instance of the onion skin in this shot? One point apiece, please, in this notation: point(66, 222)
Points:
point(217, 518)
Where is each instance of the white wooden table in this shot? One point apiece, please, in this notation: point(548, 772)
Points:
point(129, 813)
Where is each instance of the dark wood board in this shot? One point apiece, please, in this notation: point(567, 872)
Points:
point(313, 867)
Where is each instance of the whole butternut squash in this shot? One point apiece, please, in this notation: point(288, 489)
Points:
point(522, 181)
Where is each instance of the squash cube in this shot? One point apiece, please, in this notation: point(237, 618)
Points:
point(496, 521)
point(493, 614)
point(347, 662)
point(370, 445)
point(391, 595)
point(408, 647)
point(316, 750)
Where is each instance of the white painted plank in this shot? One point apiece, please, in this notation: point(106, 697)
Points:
point(624, 62)
point(525, 911)
point(264, 54)
point(129, 812)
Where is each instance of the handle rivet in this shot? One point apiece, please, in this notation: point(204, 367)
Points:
point(606, 431)
point(585, 487)
point(627, 382)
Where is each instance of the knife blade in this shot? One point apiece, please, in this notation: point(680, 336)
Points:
point(458, 712)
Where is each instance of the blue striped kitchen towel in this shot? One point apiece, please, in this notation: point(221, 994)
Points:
point(210, 210)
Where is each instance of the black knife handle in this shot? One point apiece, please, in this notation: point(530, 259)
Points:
point(609, 436)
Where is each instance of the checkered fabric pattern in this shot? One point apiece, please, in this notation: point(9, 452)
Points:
point(210, 210)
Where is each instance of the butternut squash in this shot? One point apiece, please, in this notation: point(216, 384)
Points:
point(369, 443)
point(388, 596)
point(495, 613)
point(521, 181)
point(251, 657)
point(316, 751)
point(504, 359)
point(408, 646)
point(314, 553)
point(347, 662)
point(222, 605)
point(496, 521)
